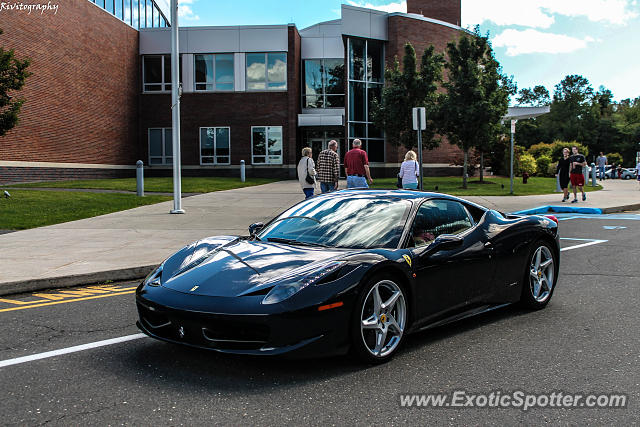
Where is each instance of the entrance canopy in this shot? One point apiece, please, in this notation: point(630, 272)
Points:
point(521, 113)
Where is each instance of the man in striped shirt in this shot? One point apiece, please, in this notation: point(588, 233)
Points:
point(328, 168)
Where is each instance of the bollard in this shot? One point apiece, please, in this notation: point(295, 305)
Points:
point(242, 171)
point(585, 172)
point(140, 178)
point(558, 188)
point(593, 175)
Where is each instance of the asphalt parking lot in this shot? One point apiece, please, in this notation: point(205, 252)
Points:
point(586, 341)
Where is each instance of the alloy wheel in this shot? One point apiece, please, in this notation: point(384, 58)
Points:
point(541, 274)
point(383, 318)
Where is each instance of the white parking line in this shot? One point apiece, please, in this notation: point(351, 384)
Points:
point(589, 242)
point(68, 350)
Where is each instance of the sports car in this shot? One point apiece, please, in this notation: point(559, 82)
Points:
point(349, 271)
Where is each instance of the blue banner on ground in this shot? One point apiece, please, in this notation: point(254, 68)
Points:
point(560, 209)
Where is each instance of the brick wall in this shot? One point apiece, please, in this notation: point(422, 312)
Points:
point(81, 99)
point(444, 10)
point(420, 34)
point(10, 174)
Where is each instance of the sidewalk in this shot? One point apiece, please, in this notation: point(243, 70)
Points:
point(126, 245)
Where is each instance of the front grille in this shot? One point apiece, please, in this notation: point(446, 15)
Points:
point(212, 331)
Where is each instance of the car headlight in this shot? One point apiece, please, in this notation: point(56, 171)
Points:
point(153, 278)
point(283, 291)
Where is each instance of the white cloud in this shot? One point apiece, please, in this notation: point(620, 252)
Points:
point(533, 41)
point(400, 6)
point(540, 13)
point(184, 9)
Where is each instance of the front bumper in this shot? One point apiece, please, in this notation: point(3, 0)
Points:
point(199, 321)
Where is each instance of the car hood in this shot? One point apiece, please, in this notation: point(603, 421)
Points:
point(229, 266)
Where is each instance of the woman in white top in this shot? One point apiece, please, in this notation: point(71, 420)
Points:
point(409, 171)
point(306, 166)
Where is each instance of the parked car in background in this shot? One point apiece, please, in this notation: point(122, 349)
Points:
point(625, 173)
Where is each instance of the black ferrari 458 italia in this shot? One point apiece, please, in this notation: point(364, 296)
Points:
point(350, 270)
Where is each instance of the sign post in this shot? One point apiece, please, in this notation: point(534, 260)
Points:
point(420, 124)
point(513, 132)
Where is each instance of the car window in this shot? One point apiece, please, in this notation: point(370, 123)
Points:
point(437, 217)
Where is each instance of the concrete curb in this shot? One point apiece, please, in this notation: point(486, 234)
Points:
point(131, 273)
point(617, 209)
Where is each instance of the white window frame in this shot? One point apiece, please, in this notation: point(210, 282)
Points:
point(164, 154)
point(215, 85)
point(163, 84)
point(266, 147)
point(266, 73)
point(215, 148)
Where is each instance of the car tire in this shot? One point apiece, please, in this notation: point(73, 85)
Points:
point(540, 276)
point(377, 334)
point(627, 177)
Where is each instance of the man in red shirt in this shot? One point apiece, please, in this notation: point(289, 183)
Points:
point(356, 166)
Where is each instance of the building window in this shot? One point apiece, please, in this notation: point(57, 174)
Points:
point(323, 83)
point(156, 73)
point(214, 72)
point(366, 79)
point(267, 71)
point(160, 146)
point(215, 145)
point(266, 145)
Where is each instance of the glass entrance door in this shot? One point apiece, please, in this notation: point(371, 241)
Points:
point(319, 140)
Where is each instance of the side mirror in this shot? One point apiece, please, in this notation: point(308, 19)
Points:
point(444, 242)
point(255, 228)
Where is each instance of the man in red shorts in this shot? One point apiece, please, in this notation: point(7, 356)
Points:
point(578, 161)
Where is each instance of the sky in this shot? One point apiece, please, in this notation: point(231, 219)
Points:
point(538, 42)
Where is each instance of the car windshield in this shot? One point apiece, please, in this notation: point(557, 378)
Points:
point(345, 222)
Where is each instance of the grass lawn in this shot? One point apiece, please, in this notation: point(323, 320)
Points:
point(491, 187)
point(163, 185)
point(29, 209)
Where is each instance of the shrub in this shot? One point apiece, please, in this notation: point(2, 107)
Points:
point(518, 151)
point(558, 146)
point(551, 169)
point(541, 149)
point(542, 165)
point(527, 164)
point(614, 158)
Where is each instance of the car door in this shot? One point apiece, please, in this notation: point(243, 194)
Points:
point(450, 279)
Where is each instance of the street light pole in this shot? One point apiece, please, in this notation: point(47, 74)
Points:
point(175, 110)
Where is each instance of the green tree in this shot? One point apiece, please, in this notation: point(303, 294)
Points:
point(405, 88)
point(13, 73)
point(538, 96)
point(477, 95)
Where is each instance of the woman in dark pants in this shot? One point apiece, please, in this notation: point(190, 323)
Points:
point(562, 172)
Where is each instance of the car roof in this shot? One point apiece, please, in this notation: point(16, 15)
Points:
point(395, 194)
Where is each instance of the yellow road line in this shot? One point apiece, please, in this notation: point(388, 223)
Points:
point(24, 307)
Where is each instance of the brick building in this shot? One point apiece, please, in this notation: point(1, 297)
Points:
point(99, 97)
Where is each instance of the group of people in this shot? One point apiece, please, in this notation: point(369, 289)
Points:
point(327, 172)
point(356, 166)
point(570, 169)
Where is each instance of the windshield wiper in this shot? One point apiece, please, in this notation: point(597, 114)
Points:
point(294, 242)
